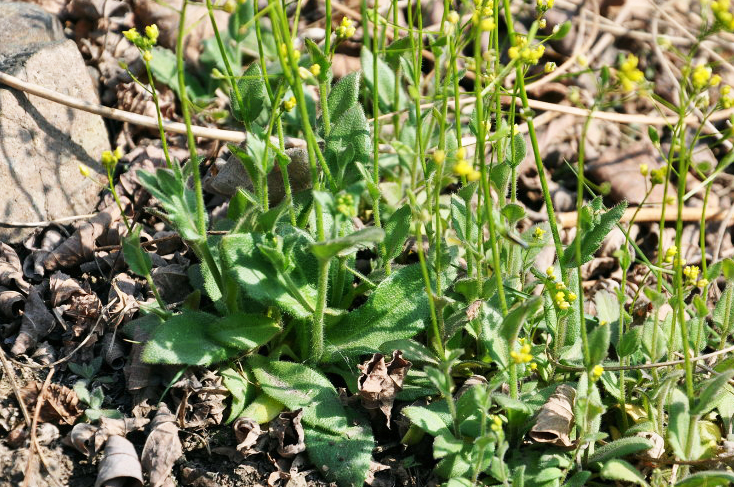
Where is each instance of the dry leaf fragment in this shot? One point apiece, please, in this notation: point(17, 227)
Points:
point(380, 382)
point(120, 465)
point(248, 432)
point(555, 418)
point(162, 448)
point(63, 287)
point(89, 439)
point(36, 324)
point(658, 445)
point(11, 302)
point(287, 429)
point(59, 402)
point(10, 268)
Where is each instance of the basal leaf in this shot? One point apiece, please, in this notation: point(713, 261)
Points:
point(621, 470)
point(598, 344)
point(707, 478)
point(426, 420)
point(342, 457)
point(258, 278)
point(706, 399)
point(620, 448)
point(241, 388)
point(183, 339)
point(396, 309)
point(243, 331)
point(348, 142)
point(298, 386)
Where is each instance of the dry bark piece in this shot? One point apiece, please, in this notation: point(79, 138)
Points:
point(10, 268)
point(380, 382)
point(59, 402)
point(36, 324)
point(162, 448)
point(248, 432)
point(288, 431)
point(555, 418)
point(11, 302)
point(120, 465)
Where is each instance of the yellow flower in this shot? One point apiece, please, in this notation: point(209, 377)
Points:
point(572, 297)
point(542, 23)
point(289, 104)
point(474, 175)
point(701, 76)
point(152, 32)
point(629, 76)
point(538, 233)
point(533, 366)
point(597, 371)
point(315, 69)
point(303, 72)
point(582, 60)
point(486, 25)
point(564, 305)
point(549, 67)
point(513, 52)
point(84, 170)
point(550, 272)
point(439, 156)
point(462, 168)
point(715, 80)
point(461, 153)
point(644, 169)
point(147, 56)
point(702, 283)
point(453, 17)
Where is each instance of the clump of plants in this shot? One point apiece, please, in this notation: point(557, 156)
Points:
point(427, 198)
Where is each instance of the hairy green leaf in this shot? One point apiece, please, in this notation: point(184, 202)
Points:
point(707, 399)
point(385, 83)
point(298, 386)
point(707, 478)
point(343, 245)
point(343, 95)
point(592, 239)
point(252, 89)
point(138, 259)
point(620, 448)
point(243, 331)
point(397, 228)
point(427, 420)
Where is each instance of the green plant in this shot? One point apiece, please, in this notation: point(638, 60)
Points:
point(287, 303)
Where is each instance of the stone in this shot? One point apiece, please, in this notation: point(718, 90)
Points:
point(42, 143)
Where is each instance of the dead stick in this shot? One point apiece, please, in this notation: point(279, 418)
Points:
point(568, 219)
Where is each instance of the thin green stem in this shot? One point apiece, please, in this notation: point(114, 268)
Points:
point(317, 329)
point(156, 101)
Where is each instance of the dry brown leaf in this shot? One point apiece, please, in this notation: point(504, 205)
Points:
point(80, 246)
point(59, 402)
point(555, 418)
point(120, 465)
point(36, 324)
point(10, 268)
point(64, 287)
point(81, 438)
point(162, 448)
point(11, 302)
point(122, 304)
point(40, 245)
point(288, 431)
point(202, 400)
point(380, 382)
point(657, 450)
point(89, 439)
point(173, 282)
point(113, 351)
point(248, 432)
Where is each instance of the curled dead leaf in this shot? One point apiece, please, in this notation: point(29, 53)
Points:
point(36, 324)
point(162, 448)
point(89, 439)
point(10, 268)
point(248, 432)
point(555, 418)
point(658, 445)
point(380, 382)
point(11, 302)
point(288, 431)
point(120, 465)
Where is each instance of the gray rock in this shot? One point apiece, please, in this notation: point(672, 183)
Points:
point(42, 143)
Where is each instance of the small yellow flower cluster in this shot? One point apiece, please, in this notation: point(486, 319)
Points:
point(549, 67)
point(701, 76)
point(345, 205)
point(496, 424)
point(284, 51)
point(657, 176)
point(84, 170)
point(629, 75)
point(453, 17)
point(484, 14)
point(725, 97)
point(544, 5)
point(670, 254)
point(289, 104)
point(110, 158)
point(524, 356)
point(525, 53)
point(691, 272)
point(720, 8)
point(439, 156)
point(464, 168)
point(144, 43)
point(596, 372)
point(644, 169)
point(345, 29)
point(539, 233)
point(551, 273)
